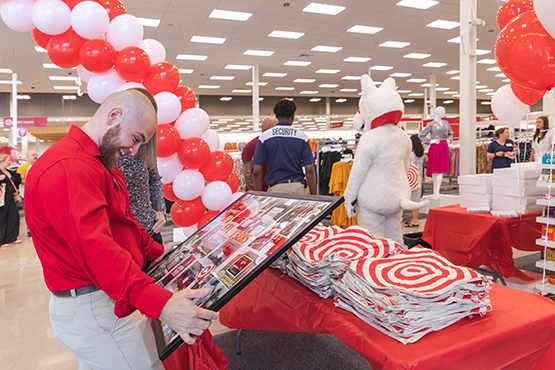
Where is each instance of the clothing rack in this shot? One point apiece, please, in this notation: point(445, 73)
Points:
point(338, 145)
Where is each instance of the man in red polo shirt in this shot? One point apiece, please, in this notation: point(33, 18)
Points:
point(248, 153)
point(91, 248)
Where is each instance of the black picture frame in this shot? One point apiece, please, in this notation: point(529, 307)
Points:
point(232, 249)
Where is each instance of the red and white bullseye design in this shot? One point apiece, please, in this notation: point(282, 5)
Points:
point(204, 271)
point(319, 233)
point(353, 244)
point(412, 176)
point(419, 271)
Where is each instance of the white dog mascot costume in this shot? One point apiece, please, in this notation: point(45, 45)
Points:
point(378, 183)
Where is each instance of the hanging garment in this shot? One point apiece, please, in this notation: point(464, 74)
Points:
point(327, 160)
point(337, 184)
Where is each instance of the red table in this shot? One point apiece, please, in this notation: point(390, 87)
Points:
point(515, 335)
point(476, 239)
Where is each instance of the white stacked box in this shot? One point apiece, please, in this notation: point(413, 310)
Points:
point(476, 191)
point(515, 189)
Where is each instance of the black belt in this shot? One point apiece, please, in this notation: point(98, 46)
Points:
point(76, 292)
point(286, 182)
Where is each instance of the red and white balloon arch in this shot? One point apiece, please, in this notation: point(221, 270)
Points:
point(106, 46)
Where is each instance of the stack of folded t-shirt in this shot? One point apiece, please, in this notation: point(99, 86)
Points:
point(323, 256)
point(412, 293)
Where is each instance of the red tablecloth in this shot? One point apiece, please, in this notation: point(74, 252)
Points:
point(516, 335)
point(475, 239)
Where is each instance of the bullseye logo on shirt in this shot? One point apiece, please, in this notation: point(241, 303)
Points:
point(204, 271)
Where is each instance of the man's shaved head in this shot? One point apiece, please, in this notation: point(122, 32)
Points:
point(267, 123)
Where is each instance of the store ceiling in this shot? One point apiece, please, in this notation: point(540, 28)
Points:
point(181, 20)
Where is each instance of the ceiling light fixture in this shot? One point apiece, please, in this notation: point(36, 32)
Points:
point(348, 90)
point(443, 24)
point(357, 59)
point(286, 34)
point(66, 87)
point(368, 30)
point(259, 83)
point(304, 80)
point(418, 4)
point(307, 92)
point(296, 63)
point(453, 72)
point(259, 53)
point(417, 56)
point(241, 67)
point(487, 61)
point(400, 74)
point(408, 101)
point(225, 98)
point(40, 49)
point(315, 100)
point(456, 77)
point(417, 80)
point(208, 86)
point(340, 100)
point(62, 78)
point(191, 57)
point(149, 22)
point(241, 91)
point(326, 49)
point(381, 68)
point(434, 65)
point(351, 78)
point(230, 15)
point(394, 44)
point(416, 94)
point(323, 9)
point(328, 71)
point(329, 86)
point(208, 39)
point(285, 88)
point(494, 69)
point(185, 71)
point(223, 78)
point(272, 74)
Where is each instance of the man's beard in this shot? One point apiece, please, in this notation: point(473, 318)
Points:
point(109, 146)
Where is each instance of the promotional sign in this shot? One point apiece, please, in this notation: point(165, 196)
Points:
point(336, 124)
point(26, 122)
point(22, 132)
point(233, 248)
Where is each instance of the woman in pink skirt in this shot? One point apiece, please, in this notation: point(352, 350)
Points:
point(438, 155)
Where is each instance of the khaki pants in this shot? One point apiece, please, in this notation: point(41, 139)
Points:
point(88, 328)
point(288, 188)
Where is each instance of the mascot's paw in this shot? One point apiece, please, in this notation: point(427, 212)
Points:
point(350, 207)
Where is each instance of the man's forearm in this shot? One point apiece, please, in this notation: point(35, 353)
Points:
point(257, 171)
point(311, 179)
point(248, 173)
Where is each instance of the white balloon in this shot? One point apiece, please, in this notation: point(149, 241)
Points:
point(52, 17)
point(131, 85)
point(84, 74)
point(169, 107)
point(192, 123)
point(212, 139)
point(169, 168)
point(90, 20)
point(125, 30)
point(16, 14)
point(216, 195)
point(102, 85)
point(189, 230)
point(545, 10)
point(506, 106)
point(188, 185)
point(155, 50)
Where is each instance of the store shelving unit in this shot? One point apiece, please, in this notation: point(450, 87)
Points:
point(546, 264)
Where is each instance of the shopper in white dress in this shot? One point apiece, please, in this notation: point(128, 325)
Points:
point(542, 140)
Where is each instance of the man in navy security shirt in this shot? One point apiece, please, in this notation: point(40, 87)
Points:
point(287, 150)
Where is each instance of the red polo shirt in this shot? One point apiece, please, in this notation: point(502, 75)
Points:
point(83, 228)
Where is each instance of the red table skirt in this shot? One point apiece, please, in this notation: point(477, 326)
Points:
point(516, 335)
point(476, 239)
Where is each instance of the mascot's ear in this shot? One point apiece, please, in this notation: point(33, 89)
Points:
point(389, 84)
point(367, 85)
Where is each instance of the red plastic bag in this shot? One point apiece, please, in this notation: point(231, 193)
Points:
point(204, 355)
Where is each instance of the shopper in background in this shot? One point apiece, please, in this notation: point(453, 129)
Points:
point(542, 140)
point(418, 158)
point(92, 249)
point(144, 185)
point(9, 215)
point(24, 168)
point(287, 151)
point(501, 150)
point(248, 153)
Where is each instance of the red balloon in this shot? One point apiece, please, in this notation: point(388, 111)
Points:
point(512, 8)
point(525, 52)
point(161, 77)
point(63, 50)
point(167, 140)
point(98, 56)
point(207, 217)
point(193, 153)
point(168, 192)
point(527, 96)
point(187, 213)
point(41, 38)
point(233, 181)
point(113, 8)
point(218, 166)
point(72, 3)
point(186, 97)
point(132, 64)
